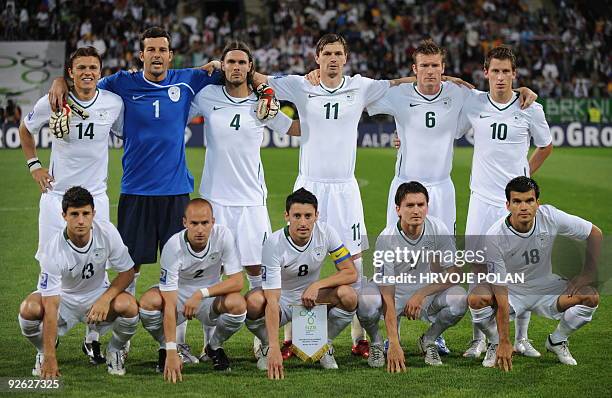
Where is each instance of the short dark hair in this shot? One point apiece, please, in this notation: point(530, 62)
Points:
point(428, 47)
point(410, 187)
point(152, 33)
point(522, 184)
point(301, 196)
point(330, 38)
point(88, 51)
point(240, 46)
point(198, 201)
point(501, 53)
point(77, 197)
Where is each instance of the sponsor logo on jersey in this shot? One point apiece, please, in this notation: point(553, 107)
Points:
point(413, 105)
point(163, 276)
point(484, 116)
point(44, 279)
point(174, 93)
point(135, 97)
point(216, 108)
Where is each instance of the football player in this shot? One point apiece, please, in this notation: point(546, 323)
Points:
point(521, 243)
point(291, 266)
point(73, 287)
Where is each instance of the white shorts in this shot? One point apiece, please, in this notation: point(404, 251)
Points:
point(441, 202)
point(50, 220)
point(250, 226)
point(73, 310)
point(543, 303)
point(481, 216)
point(340, 206)
point(205, 313)
point(286, 312)
point(432, 304)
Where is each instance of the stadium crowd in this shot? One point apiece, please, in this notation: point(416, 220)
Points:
point(564, 48)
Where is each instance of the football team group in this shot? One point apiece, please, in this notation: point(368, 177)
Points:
point(226, 230)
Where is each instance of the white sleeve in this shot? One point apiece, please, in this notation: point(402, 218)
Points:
point(50, 279)
point(571, 226)
point(119, 256)
point(229, 257)
point(375, 90)
point(286, 87)
point(494, 258)
point(270, 266)
point(445, 244)
point(280, 124)
point(463, 125)
point(39, 116)
point(386, 253)
point(538, 127)
point(382, 106)
point(117, 126)
point(170, 264)
point(196, 105)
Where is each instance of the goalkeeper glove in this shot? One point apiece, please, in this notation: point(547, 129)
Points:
point(59, 121)
point(267, 106)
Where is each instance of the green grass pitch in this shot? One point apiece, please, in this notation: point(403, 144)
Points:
point(575, 180)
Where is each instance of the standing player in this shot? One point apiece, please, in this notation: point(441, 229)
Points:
point(502, 135)
point(190, 286)
point(521, 244)
point(73, 287)
point(79, 158)
point(233, 177)
point(432, 251)
point(329, 115)
point(292, 259)
point(156, 183)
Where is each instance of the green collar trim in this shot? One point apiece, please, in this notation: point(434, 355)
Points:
point(414, 85)
point(504, 108)
point(293, 245)
point(334, 90)
point(75, 99)
point(194, 254)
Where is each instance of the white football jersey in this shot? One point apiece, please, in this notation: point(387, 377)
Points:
point(81, 157)
point(435, 238)
point(328, 122)
point(182, 268)
point(233, 174)
point(511, 252)
point(293, 268)
point(68, 269)
point(426, 126)
point(502, 136)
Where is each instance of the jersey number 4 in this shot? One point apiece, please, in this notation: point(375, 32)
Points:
point(235, 123)
point(87, 132)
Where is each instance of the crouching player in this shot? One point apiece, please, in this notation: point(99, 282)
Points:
point(291, 264)
point(190, 286)
point(429, 249)
point(72, 287)
point(521, 244)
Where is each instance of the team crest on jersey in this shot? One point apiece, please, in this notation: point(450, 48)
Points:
point(447, 102)
point(99, 254)
point(350, 98)
point(518, 116)
point(542, 239)
point(318, 253)
point(213, 257)
point(174, 93)
point(44, 279)
point(104, 115)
